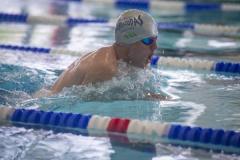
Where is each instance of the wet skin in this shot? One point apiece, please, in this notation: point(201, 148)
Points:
point(101, 65)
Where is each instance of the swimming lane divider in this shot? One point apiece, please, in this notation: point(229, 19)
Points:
point(170, 5)
point(53, 19)
point(37, 50)
point(219, 66)
point(214, 30)
point(217, 140)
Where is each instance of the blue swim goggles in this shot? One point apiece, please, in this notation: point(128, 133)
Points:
point(148, 41)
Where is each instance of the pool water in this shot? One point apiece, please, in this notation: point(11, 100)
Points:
point(200, 98)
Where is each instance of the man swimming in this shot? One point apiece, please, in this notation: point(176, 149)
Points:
point(135, 41)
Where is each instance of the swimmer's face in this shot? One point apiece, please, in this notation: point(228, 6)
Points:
point(140, 54)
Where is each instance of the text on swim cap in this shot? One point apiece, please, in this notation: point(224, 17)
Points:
point(131, 22)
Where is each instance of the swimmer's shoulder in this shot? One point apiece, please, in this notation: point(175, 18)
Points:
point(104, 61)
point(105, 51)
point(108, 58)
point(96, 55)
point(103, 56)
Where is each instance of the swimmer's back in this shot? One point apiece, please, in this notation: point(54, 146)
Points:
point(96, 66)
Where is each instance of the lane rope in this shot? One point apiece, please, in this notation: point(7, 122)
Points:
point(209, 65)
point(207, 29)
point(217, 66)
point(227, 141)
point(170, 5)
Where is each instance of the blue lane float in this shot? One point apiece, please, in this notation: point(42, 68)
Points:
point(137, 4)
point(25, 48)
point(18, 18)
point(218, 140)
point(189, 7)
point(75, 21)
point(50, 118)
point(208, 136)
point(227, 67)
point(175, 26)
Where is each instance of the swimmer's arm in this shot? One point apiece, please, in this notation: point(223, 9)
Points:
point(42, 93)
point(73, 75)
point(84, 75)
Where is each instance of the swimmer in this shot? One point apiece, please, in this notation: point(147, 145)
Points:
point(135, 41)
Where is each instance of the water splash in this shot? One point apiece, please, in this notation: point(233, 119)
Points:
point(129, 84)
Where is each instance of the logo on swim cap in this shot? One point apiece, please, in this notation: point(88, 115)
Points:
point(131, 21)
point(134, 25)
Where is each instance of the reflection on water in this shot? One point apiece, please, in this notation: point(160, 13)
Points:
point(178, 153)
point(28, 144)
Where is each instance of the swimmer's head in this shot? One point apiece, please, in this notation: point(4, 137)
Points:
point(134, 25)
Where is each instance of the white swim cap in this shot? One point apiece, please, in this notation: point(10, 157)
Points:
point(134, 25)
